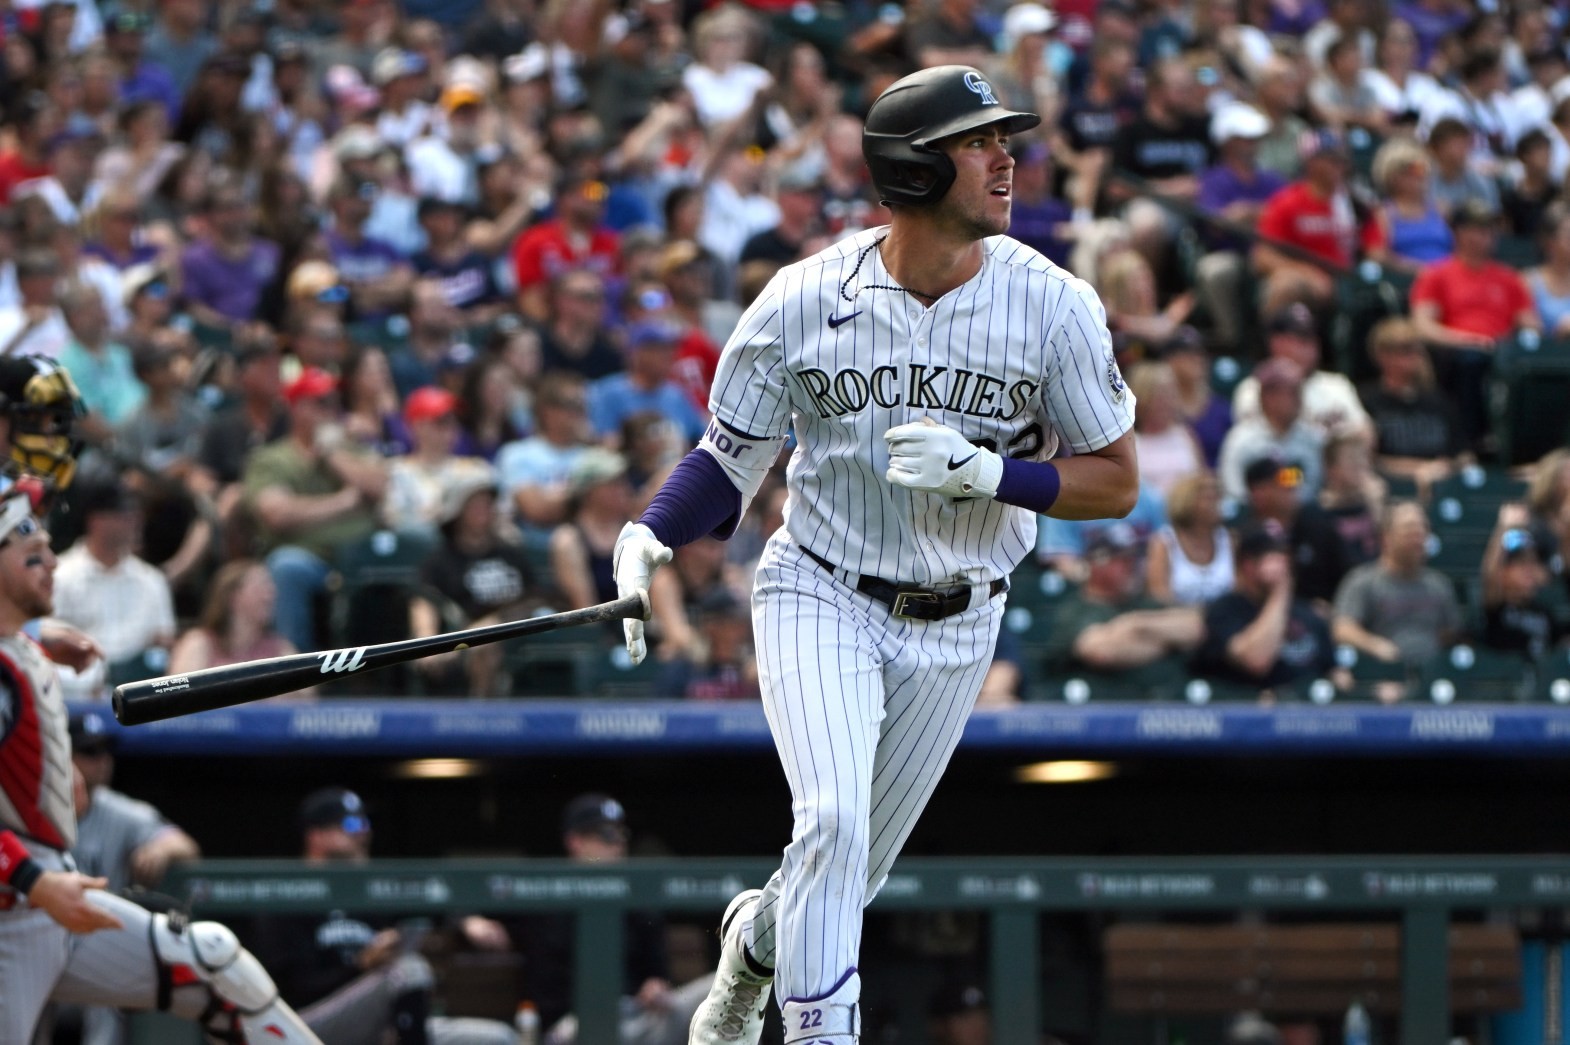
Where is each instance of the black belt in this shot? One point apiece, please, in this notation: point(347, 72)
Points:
point(915, 603)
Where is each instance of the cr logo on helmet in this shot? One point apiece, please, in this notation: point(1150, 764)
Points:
point(981, 87)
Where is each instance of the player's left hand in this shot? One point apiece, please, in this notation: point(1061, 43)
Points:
point(638, 554)
point(934, 458)
point(67, 644)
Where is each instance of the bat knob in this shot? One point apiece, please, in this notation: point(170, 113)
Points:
point(648, 607)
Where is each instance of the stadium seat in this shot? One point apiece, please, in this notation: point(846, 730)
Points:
point(612, 675)
point(1160, 681)
point(1553, 677)
point(1034, 593)
point(1372, 678)
point(1532, 386)
point(1467, 673)
point(1363, 298)
point(373, 581)
point(551, 665)
point(1201, 691)
point(1519, 252)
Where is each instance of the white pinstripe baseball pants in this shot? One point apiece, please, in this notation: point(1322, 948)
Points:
point(40, 962)
point(866, 709)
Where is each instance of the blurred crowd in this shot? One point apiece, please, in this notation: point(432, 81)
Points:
point(430, 294)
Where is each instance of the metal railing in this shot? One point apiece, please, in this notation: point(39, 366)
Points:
point(1013, 892)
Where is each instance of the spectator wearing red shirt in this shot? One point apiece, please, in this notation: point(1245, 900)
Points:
point(1314, 214)
point(25, 160)
point(1467, 303)
point(576, 238)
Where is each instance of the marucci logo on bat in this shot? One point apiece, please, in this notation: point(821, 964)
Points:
point(340, 660)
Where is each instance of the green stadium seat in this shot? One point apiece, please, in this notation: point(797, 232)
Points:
point(1371, 677)
point(612, 675)
point(1553, 677)
point(1363, 298)
point(551, 666)
point(1532, 386)
point(1226, 374)
point(1201, 691)
point(384, 565)
point(1162, 680)
point(1519, 252)
point(1034, 593)
point(1468, 674)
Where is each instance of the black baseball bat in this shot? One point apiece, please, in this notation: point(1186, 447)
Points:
point(174, 695)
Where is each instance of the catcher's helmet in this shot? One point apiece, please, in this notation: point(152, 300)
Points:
point(43, 406)
point(913, 114)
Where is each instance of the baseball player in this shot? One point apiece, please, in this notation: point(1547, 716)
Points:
point(62, 938)
point(929, 369)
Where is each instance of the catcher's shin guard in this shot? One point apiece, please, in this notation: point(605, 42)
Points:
point(244, 995)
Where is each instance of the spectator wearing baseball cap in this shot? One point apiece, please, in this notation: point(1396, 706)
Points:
point(360, 977)
point(1464, 306)
point(1312, 229)
point(1275, 498)
point(1234, 189)
point(1206, 412)
point(466, 276)
point(1516, 617)
point(1278, 430)
point(647, 384)
point(377, 273)
point(442, 160)
point(483, 578)
point(1330, 401)
point(312, 493)
point(400, 77)
point(417, 481)
point(594, 831)
point(1109, 629)
point(576, 237)
point(1261, 635)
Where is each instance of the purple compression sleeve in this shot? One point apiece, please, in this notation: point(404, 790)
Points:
point(696, 500)
point(1029, 484)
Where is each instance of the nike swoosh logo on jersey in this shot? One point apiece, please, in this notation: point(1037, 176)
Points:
point(953, 464)
point(836, 321)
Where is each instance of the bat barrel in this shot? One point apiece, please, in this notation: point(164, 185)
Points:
point(137, 703)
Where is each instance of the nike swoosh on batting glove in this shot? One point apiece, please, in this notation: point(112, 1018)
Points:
point(638, 554)
point(934, 458)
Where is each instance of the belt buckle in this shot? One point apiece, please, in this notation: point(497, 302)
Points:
point(903, 603)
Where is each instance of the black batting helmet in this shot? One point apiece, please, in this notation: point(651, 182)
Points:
point(905, 123)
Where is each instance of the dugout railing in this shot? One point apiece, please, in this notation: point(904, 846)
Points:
point(1423, 893)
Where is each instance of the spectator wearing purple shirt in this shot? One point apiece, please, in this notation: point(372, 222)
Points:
point(378, 276)
point(1431, 20)
point(140, 79)
point(1039, 216)
point(226, 271)
point(1233, 190)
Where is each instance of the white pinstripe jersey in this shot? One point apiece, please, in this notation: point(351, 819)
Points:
point(1016, 359)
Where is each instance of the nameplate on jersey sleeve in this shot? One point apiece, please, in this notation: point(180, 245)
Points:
point(727, 444)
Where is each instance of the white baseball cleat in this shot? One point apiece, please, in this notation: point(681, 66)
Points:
point(733, 1011)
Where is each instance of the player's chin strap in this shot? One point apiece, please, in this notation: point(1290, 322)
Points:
point(242, 993)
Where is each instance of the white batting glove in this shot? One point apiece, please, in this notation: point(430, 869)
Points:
point(934, 458)
point(638, 554)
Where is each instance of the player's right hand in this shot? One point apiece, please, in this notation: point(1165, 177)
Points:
point(62, 895)
point(638, 554)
